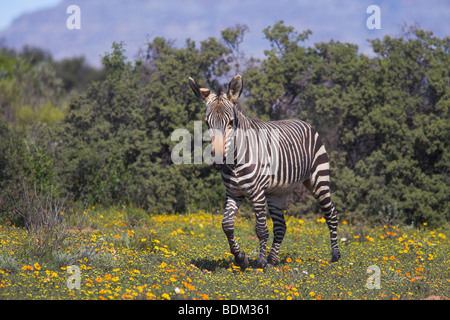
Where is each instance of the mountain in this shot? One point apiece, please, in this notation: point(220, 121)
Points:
point(135, 22)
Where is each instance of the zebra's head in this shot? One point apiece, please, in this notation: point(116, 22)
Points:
point(221, 117)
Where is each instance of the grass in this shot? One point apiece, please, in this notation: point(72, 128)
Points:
point(126, 254)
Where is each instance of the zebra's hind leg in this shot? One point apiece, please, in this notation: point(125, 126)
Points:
point(276, 205)
point(321, 192)
point(231, 206)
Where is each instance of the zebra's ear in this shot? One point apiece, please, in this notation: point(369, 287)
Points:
point(235, 88)
point(199, 90)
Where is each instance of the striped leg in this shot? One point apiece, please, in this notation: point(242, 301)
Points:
point(321, 191)
point(231, 206)
point(276, 205)
point(259, 206)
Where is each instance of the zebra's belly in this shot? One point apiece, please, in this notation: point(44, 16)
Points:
point(275, 189)
point(240, 187)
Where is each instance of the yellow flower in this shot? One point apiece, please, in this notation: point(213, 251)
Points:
point(165, 296)
point(150, 295)
point(37, 266)
point(321, 220)
point(312, 293)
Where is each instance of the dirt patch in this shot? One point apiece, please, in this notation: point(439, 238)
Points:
point(436, 298)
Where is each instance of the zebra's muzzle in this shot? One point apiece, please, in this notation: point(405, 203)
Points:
point(217, 166)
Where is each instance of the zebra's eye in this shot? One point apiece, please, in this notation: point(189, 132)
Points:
point(230, 123)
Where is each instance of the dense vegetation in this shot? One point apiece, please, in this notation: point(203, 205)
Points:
point(104, 137)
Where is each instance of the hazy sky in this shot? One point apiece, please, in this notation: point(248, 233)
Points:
point(11, 9)
point(341, 20)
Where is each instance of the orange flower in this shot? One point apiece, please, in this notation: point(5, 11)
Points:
point(189, 286)
point(27, 268)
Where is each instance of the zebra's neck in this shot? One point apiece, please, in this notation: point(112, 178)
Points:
point(245, 135)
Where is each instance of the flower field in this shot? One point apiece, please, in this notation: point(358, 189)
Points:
point(126, 254)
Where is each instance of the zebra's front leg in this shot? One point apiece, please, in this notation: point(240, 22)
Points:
point(259, 207)
point(231, 206)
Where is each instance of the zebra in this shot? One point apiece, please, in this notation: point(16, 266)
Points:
point(262, 169)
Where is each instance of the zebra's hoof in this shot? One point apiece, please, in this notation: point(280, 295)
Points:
point(269, 266)
point(262, 262)
point(242, 260)
point(335, 255)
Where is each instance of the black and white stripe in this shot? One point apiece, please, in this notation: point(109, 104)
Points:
point(264, 162)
